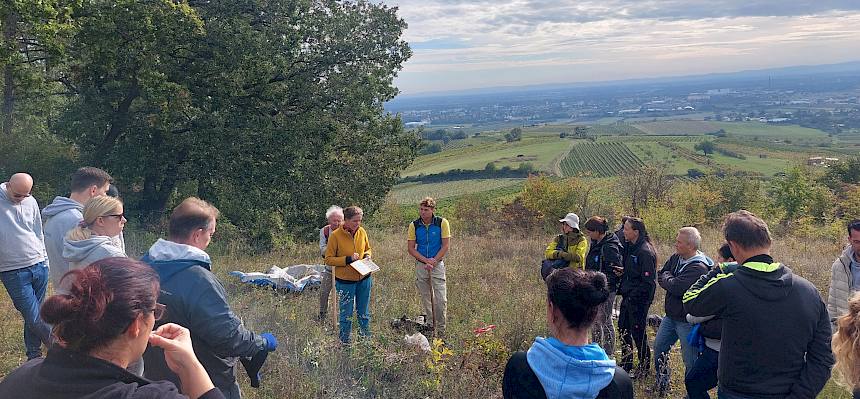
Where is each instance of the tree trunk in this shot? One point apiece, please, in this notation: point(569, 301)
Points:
point(10, 23)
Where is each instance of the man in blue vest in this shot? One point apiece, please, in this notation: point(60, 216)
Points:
point(427, 242)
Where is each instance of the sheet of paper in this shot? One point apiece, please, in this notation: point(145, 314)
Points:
point(364, 266)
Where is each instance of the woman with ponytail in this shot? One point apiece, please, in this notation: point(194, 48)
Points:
point(92, 239)
point(101, 325)
point(846, 348)
point(568, 365)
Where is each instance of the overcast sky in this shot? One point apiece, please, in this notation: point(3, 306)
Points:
point(460, 44)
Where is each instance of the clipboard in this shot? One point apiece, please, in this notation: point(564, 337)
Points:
point(364, 266)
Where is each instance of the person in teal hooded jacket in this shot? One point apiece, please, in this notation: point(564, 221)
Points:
point(568, 364)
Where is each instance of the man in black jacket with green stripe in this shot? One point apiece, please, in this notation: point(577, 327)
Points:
point(776, 330)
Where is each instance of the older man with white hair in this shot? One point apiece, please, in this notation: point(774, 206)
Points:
point(682, 269)
point(23, 259)
point(334, 217)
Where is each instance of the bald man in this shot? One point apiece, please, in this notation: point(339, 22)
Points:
point(23, 259)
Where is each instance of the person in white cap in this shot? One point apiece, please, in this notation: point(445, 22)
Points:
point(567, 249)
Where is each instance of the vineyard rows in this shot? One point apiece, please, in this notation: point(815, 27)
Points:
point(599, 160)
point(651, 137)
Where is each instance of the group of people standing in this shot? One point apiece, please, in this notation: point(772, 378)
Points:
point(746, 324)
point(162, 326)
point(343, 241)
point(159, 327)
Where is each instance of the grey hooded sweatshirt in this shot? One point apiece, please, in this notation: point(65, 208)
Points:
point(60, 217)
point(21, 237)
point(80, 254)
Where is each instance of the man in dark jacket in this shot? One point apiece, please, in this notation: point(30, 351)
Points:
point(196, 300)
point(776, 330)
point(682, 269)
point(637, 291)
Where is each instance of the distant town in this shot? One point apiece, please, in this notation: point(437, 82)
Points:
point(824, 98)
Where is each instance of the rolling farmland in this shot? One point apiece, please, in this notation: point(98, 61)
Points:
point(599, 159)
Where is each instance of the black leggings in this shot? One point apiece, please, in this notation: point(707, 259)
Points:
point(631, 324)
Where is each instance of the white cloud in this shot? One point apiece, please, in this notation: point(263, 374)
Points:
point(462, 44)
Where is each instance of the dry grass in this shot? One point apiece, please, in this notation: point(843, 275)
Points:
point(492, 279)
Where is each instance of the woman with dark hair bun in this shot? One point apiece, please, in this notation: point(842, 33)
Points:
point(568, 365)
point(103, 323)
point(604, 255)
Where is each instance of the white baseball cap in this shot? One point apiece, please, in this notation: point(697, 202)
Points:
point(571, 219)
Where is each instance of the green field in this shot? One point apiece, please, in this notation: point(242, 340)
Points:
point(651, 152)
point(539, 151)
point(599, 160)
point(678, 127)
point(771, 132)
point(413, 192)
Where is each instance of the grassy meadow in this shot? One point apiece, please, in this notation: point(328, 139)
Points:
point(492, 279)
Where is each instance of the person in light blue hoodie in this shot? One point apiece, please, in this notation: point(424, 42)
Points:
point(568, 364)
point(23, 261)
point(91, 241)
point(64, 214)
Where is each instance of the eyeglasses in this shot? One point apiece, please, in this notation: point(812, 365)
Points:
point(158, 312)
point(118, 215)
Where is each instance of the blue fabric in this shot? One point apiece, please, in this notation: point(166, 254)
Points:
point(354, 297)
point(169, 258)
point(26, 287)
point(695, 338)
point(703, 375)
point(428, 238)
point(671, 331)
point(567, 371)
point(271, 341)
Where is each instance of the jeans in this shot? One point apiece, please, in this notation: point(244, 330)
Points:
point(603, 332)
point(440, 293)
point(354, 297)
point(26, 287)
point(671, 331)
point(703, 375)
point(232, 391)
point(631, 324)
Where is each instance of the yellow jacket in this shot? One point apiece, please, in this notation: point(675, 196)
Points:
point(577, 248)
point(342, 244)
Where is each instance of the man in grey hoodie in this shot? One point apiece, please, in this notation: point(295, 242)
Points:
point(65, 213)
point(23, 261)
point(845, 275)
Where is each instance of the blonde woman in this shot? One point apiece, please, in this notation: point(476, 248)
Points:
point(846, 348)
point(92, 240)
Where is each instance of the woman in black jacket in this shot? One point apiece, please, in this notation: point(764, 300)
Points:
point(603, 256)
point(102, 324)
point(637, 286)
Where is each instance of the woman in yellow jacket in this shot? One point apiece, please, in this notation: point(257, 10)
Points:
point(571, 247)
point(345, 245)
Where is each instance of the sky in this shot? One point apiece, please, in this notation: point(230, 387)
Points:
point(460, 44)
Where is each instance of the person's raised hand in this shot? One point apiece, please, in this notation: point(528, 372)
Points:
point(175, 340)
point(355, 257)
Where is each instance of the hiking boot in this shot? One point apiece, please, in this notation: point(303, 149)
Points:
point(639, 373)
point(654, 321)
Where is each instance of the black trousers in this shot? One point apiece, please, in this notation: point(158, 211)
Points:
point(631, 324)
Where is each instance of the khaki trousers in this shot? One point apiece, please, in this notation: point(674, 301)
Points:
point(440, 292)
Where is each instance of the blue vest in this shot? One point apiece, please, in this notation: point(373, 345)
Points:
point(428, 238)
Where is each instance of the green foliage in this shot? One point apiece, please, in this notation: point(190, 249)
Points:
point(797, 195)
point(706, 147)
point(516, 134)
point(552, 199)
point(273, 111)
